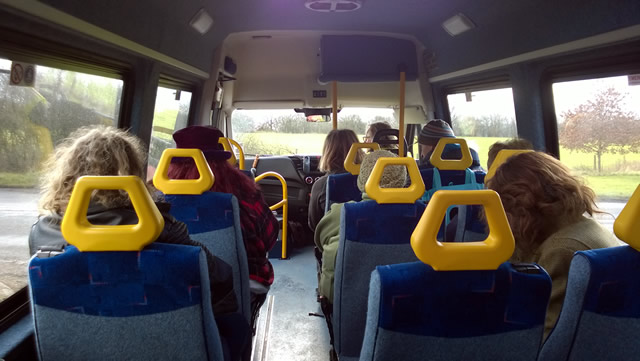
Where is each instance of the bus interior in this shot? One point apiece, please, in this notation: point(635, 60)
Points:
point(270, 74)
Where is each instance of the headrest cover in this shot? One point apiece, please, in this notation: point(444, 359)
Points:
point(349, 162)
point(451, 164)
point(627, 225)
point(183, 186)
point(453, 256)
point(77, 230)
point(395, 195)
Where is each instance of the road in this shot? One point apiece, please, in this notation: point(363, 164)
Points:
point(18, 211)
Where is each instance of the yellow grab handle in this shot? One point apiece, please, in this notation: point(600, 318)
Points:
point(349, 162)
point(502, 157)
point(463, 256)
point(627, 225)
point(395, 195)
point(226, 144)
point(284, 203)
point(183, 186)
point(77, 230)
point(451, 164)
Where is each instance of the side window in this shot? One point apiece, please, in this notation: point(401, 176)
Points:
point(34, 120)
point(171, 113)
point(483, 118)
point(599, 134)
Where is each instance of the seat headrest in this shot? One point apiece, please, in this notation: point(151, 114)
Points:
point(183, 186)
point(451, 164)
point(77, 230)
point(395, 195)
point(627, 225)
point(349, 162)
point(453, 256)
point(502, 157)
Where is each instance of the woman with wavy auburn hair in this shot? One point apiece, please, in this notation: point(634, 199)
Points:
point(335, 150)
point(546, 208)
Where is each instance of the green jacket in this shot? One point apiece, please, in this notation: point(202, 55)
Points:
point(326, 238)
point(555, 254)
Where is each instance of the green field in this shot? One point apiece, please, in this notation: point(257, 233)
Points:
point(610, 185)
point(19, 180)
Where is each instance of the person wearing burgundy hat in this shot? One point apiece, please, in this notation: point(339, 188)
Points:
point(259, 225)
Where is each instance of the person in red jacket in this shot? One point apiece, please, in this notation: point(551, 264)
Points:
point(259, 225)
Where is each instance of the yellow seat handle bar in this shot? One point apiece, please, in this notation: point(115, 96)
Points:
point(77, 230)
point(502, 157)
point(226, 144)
point(463, 256)
point(349, 162)
point(395, 195)
point(183, 186)
point(284, 203)
point(626, 227)
point(451, 164)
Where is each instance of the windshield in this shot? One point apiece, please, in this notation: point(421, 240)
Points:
point(285, 132)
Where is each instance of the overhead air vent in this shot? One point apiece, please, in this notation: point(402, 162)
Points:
point(333, 6)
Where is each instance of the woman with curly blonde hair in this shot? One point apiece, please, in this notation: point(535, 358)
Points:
point(108, 151)
point(546, 208)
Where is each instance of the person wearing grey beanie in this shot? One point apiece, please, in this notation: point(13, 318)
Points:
point(328, 229)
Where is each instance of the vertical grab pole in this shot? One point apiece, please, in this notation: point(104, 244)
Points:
point(334, 95)
point(401, 116)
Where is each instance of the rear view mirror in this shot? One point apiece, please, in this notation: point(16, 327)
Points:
point(316, 115)
point(318, 118)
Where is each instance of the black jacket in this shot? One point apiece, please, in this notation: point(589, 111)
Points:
point(46, 232)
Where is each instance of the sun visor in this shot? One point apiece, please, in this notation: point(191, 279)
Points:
point(358, 58)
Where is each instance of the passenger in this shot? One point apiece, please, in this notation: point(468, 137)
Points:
point(373, 129)
point(430, 136)
point(107, 151)
point(335, 150)
point(259, 226)
point(515, 143)
point(545, 206)
point(328, 230)
point(370, 136)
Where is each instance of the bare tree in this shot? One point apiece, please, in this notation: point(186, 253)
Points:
point(601, 126)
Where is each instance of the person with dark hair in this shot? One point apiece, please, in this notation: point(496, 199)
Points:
point(545, 206)
point(515, 143)
point(335, 150)
point(429, 137)
point(259, 225)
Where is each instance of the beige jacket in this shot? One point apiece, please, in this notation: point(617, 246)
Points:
point(555, 254)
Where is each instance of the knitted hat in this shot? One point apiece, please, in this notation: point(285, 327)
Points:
point(433, 131)
point(394, 176)
point(204, 138)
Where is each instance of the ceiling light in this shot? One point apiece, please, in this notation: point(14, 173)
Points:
point(201, 21)
point(333, 6)
point(458, 24)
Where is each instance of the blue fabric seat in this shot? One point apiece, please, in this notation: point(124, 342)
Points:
point(148, 305)
point(416, 313)
point(600, 317)
point(342, 188)
point(371, 234)
point(213, 219)
point(448, 177)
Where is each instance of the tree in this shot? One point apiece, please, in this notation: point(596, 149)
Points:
point(601, 126)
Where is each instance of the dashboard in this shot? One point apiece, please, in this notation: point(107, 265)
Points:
point(300, 172)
